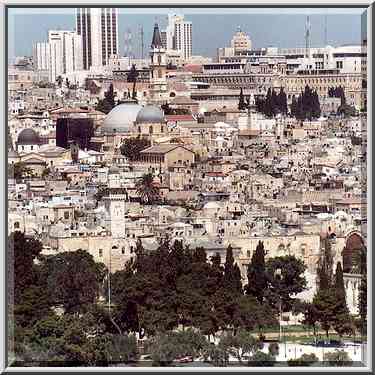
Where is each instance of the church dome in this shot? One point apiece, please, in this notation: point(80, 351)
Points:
point(28, 137)
point(150, 114)
point(13, 154)
point(121, 118)
point(113, 170)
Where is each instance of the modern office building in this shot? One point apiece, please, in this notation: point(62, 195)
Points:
point(98, 28)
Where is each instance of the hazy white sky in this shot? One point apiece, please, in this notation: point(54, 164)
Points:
point(212, 28)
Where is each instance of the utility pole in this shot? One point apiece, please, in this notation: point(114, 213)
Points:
point(142, 42)
point(307, 36)
point(325, 32)
point(109, 281)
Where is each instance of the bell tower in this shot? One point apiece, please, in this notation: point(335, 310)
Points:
point(158, 66)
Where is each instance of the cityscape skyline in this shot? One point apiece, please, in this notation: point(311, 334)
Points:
point(218, 35)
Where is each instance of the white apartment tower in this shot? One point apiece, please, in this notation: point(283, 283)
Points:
point(241, 41)
point(41, 56)
point(98, 28)
point(183, 37)
point(65, 53)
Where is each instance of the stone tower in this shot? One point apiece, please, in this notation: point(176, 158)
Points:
point(158, 66)
point(115, 206)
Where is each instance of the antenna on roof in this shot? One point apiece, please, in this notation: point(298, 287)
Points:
point(142, 41)
point(307, 36)
point(325, 31)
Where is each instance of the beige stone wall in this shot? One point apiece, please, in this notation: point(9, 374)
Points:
point(351, 82)
point(179, 156)
point(101, 248)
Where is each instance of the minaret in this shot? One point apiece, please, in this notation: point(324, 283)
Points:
point(158, 66)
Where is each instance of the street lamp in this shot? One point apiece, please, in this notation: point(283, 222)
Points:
point(278, 277)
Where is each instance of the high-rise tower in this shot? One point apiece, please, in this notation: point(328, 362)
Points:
point(98, 28)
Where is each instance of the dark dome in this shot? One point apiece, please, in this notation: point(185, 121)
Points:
point(150, 114)
point(28, 137)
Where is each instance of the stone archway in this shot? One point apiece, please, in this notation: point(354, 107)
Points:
point(350, 255)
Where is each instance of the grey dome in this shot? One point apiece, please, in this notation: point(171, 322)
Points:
point(150, 114)
point(12, 154)
point(28, 137)
point(121, 118)
point(113, 169)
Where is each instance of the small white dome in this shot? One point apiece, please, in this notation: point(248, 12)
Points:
point(221, 124)
point(211, 205)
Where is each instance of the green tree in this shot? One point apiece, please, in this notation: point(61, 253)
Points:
point(311, 316)
point(293, 107)
point(105, 105)
point(147, 190)
point(339, 358)
point(307, 105)
point(343, 323)
point(232, 273)
point(132, 77)
point(329, 309)
point(165, 348)
point(256, 274)
point(59, 81)
point(19, 171)
point(241, 346)
point(261, 359)
point(362, 300)
point(282, 101)
point(217, 355)
point(241, 101)
point(286, 285)
point(273, 349)
point(304, 360)
point(73, 279)
point(131, 147)
point(22, 272)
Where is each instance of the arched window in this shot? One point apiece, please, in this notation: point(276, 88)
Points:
point(16, 225)
point(159, 59)
point(151, 130)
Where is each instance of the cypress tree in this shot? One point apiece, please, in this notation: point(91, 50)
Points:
point(241, 102)
point(232, 274)
point(282, 101)
point(343, 323)
point(256, 274)
point(267, 110)
point(293, 107)
point(362, 300)
point(274, 103)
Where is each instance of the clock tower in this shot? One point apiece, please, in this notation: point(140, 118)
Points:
point(158, 66)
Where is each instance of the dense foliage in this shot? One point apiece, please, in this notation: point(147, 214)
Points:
point(306, 105)
point(177, 286)
point(105, 105)
point(273, 103)
point(131, 147)
point(329, 303)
